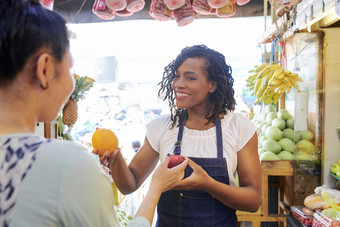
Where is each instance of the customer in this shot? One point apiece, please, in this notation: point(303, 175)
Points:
point(50, 182)
point(220, 144)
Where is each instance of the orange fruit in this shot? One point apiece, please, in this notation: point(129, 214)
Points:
point(104, 140)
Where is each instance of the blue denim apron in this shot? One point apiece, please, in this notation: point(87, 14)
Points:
point(197, 208)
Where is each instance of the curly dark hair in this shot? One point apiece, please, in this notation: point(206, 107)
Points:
point(25, 27)
point(217, 70)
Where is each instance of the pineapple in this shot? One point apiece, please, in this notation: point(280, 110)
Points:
point(70, 110)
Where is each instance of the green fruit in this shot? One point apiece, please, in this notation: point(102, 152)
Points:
point(305, 146)
point(284, 114)
point(261, 150)
point(272, 145)
point(335, 168)
point(287, 145)
point(286, 155)
point(306, 135)
point(338, 173)
point(290, 123)
point(303, 156)
point(273, 132)
point(270, 108)
point(264, 127)
point(291, 134)
point(268, 155)
point(270, 117)
point(262, 139)
point(280, 123)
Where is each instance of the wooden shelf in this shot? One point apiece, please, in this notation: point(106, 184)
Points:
point(282, 168)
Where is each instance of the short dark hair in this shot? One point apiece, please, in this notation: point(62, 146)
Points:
point(217, 70)
point(25, 27)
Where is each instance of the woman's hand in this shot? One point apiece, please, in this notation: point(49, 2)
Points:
point(164, 178)
point(108, 157)
point(196, 180)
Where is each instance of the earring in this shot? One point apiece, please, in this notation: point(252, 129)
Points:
point(44, 88)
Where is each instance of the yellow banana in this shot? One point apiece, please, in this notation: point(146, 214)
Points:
point(261, 90)
point(262, 66)
point(277, 73)
point(299, 78)
point(270, 76)
point(292, 80)
point(252, 77)
point(288, 89)
point(274, 66)
point(268, 100)
point(275, 83)
point(257, 85)
point(276, 98)
point(281, 76)
point(287, 72)
point(263, 72)
point(281, 89)
point(252, 71)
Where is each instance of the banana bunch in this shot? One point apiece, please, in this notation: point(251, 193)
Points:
point(269, 82)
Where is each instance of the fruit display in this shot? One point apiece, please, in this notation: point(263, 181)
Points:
point(303, 215)
point(335, 169)
point(175, 160)
point(269, 81)
point(321, 220)
point(183, 11)
point(104, 140)
point(278, 140)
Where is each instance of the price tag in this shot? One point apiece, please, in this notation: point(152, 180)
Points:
point(337, 7)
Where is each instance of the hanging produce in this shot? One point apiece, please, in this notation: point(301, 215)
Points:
point(202, 7)
point(159, 11)
point(184, 15)
point(269, 82)
point(218, 3)
point(100, 9)
point(228, 10)
point(135, 5)
point(174, 4)
point(163, 10)
point(116, 5)
point(124, 13)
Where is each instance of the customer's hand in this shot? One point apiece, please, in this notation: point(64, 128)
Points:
point(108, 157)
point(164, 179)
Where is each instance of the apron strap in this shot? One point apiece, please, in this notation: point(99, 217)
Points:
point(178, 143)
point(219, 137)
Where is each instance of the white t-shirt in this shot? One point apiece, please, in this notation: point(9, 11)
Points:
point(65, 186)
point(237, 130)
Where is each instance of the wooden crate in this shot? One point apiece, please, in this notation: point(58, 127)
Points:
point(284, 169)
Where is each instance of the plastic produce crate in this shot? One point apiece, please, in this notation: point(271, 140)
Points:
point(321, 220)
point(303, 218)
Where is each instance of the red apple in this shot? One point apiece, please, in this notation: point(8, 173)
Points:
point(175, 160)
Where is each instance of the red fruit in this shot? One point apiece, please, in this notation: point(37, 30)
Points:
point(175, 160)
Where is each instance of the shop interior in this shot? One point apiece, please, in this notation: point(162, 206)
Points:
point(125, 56)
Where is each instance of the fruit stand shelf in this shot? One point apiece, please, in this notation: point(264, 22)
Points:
point(335, 176)
point(282, 168)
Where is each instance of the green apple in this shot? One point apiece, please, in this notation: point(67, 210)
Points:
point(335, 168)
point(338, 173)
